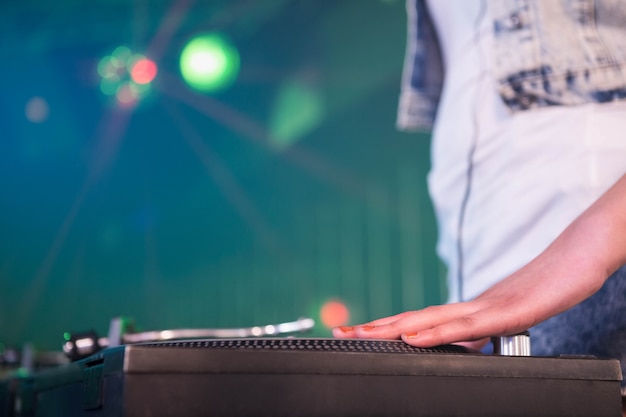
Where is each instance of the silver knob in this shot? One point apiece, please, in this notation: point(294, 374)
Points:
point(513, 345)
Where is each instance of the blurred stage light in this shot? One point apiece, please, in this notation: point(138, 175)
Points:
point(126, 76)
point(37, 110)
point(122, 54)
point(209, 63)
point(334, 313)
point(109, 85)
point(143, 71)
point(126, 95)
point(298, 109)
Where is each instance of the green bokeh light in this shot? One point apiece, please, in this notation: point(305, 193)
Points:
point(121, 55)
point(298, 109)
point(118, 81)
point(109, 85)
point(209, 63)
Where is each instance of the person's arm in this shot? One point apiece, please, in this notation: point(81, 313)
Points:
point(571, 269)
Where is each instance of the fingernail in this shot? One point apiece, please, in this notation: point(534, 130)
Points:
point(411, 335)
point(346, 329)
point(368, 328)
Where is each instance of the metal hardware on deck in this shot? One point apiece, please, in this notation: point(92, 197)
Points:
point(513, 345)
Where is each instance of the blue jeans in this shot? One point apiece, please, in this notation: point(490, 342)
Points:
point(597, 326)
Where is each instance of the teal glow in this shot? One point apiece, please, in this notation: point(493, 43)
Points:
point(298, 109)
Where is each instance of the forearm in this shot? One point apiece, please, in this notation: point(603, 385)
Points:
point(588, 251)
point(570, 270)
point(601, 229)
point(576, 264)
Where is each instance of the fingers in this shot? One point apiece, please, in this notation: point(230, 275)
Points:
point(473, 328)
point(412, 322)
point(344, 332)
point(351, 331)
point(450, 332)
point(445, 324)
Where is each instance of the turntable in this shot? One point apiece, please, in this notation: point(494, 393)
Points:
point(299, 376)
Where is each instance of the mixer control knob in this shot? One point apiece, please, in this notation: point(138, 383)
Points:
point(513, 345)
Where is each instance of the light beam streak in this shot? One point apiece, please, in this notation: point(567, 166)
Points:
point(256, 133)
point(226, 182)
point(109, 132)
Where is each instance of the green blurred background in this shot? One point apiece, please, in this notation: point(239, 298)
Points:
point(253, 204)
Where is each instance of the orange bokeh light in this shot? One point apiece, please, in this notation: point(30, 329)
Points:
point(334, 313)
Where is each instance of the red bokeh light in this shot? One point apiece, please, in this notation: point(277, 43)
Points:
point(143, 71)
point(334, 313)
point(126, 97)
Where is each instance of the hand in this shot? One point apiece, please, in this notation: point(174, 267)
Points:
point(570, 270)
point(513, 305)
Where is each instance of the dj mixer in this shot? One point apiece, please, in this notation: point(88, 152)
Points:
point(294, 376)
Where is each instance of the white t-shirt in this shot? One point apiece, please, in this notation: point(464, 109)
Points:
point(532, 173)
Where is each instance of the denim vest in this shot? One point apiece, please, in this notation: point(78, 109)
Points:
point(546, 53)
